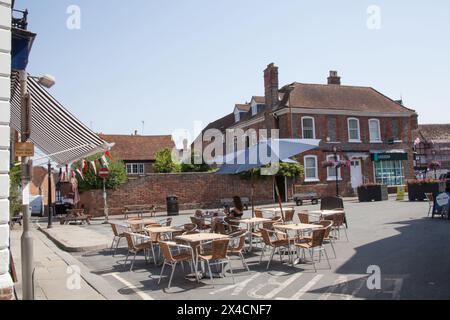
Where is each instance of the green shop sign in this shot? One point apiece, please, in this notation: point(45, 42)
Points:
point(389, 156)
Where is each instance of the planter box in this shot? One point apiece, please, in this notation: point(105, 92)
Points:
point(417, 191)
point(372, 193)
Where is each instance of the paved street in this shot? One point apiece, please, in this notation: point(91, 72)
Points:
point(412, 252)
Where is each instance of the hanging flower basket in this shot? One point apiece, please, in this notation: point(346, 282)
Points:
point(434, 165)
point(328, 164)
point(343, 164)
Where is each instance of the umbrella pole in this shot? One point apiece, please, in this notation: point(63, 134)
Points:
point(278, 196)
point(252, 193)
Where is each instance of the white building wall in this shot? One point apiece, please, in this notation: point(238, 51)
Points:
point(5, 71)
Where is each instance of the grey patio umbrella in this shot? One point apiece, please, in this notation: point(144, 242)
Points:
point(264, 153)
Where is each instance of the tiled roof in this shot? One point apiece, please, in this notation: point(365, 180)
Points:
point(243, 107)
point(435, 132)
point(259, 100)
point(222, 123)
point(338, 97)
point(137, 148)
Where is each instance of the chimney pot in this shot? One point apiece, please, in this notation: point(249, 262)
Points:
point(334, 78)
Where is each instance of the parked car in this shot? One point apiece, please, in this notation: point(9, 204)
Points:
point(37, 206)
point(446, 178)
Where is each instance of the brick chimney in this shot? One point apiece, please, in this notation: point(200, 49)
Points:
point(334, 78)
point(271, 86)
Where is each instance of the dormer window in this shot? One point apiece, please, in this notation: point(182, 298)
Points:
point(237, 116)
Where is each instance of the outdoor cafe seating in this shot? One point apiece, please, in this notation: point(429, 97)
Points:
point(200, 248)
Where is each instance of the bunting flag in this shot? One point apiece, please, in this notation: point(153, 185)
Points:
point(80, 172)
point(94, 166)
point(83, 168)
point(85, 165)
point(104, 161)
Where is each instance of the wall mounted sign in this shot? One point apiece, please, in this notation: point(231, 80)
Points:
point(23, 149)
point(389, 156)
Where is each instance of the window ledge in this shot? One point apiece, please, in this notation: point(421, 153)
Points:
point(333, 179)
point(312, 180)
point(354, 141)
point(376, 141)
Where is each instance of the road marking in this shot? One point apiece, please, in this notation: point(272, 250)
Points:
point(237, 287)
point(307, 287)
point(398, 284)
point(329, 292)
point(357, 289)
point(141, 294)
point(272, 282)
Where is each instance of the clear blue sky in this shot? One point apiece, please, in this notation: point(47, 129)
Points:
point(170, 63)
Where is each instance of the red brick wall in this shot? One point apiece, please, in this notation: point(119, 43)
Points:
point(194, 190)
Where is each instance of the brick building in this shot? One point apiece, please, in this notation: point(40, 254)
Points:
point(138, 152)
point(366, 127)
point(434, 146)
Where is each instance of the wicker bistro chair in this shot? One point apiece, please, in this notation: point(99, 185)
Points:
point(119, 234)
point(338, 224)
point(266, 225)
point(216, 255)
point(327, 225)
point(289, 215)
point(303, 217)
point(315, 244)
point(237, 244)
point(201, 225)
point(137, 243)
point(259, 213)
point(279, 242)
point(183, 254)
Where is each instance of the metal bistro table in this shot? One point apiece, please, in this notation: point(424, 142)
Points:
point(195, 240)
point(251, 223)
point(158, 231)
point(298, 228)
point(324, 214)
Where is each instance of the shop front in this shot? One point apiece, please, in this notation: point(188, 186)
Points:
point(389, 167)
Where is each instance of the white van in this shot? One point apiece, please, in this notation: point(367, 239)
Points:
point(37, 206)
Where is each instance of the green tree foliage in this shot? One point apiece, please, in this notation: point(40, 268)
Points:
point(289, 170)
point(15, 198)
point(193, 167)
point(117, 175)
point(164, 162)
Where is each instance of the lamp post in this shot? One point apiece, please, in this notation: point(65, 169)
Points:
point(49, 197)
point(335, 150)
point(433, 152)
point(26, 168)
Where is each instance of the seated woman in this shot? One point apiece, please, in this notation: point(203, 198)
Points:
point(238, 211)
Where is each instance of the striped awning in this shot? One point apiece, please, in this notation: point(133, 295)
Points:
point(54, 130)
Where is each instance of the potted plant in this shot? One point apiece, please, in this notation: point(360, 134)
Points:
point(418, 188)
point(372, 192)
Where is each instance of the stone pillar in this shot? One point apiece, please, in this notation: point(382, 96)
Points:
point(6, 285)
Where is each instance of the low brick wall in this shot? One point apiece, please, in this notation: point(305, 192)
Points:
point(326, 189)
point(194, 190)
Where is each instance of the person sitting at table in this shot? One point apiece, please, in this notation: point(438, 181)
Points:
point(238, 211)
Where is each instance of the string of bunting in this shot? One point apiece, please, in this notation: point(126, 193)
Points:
point(85, 165)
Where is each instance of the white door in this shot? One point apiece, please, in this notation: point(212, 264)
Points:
point(356, 173)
